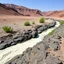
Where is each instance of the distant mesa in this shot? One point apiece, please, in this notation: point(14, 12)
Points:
point(11, 9)
point(7, 11)
point(24, 10)
point(55, 13)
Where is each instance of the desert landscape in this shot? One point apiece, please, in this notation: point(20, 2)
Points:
point(31, 36)
point(16, 22)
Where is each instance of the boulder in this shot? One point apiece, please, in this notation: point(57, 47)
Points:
point(2, 46)
point(34, 34)
point(52, 24)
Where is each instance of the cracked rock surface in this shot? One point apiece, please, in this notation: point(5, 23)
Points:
point(39, 54)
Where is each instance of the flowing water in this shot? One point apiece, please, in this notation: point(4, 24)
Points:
point(10, 52)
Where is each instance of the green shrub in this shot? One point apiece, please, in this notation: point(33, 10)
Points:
point(27, 23)
point(33, 22)
point(42, 20)
point(7, 29)
point(62, 22)
point(51, 32)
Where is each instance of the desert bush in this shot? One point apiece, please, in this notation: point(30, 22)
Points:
point(27, 23)
point(7, 29)
point(42, 20)
point(33, 22)
point(61, 22)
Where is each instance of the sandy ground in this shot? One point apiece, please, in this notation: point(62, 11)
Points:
point(16, 22)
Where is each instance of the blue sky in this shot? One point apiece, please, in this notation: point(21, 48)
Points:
point(43, 5)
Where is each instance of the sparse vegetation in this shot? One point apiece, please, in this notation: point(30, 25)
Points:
point(62, 22)
point(33, 22)
point(42, 20)
point(7, 29)
point(27, 23)
point(51, 32)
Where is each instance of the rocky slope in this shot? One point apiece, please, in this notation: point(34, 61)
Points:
point(40, 53)
point(11, 9)
point(24, 10)
point(55, 13)
point(7, 11)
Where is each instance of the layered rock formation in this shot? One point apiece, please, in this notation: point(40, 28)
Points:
point(24, 10)
point(7, 11)
point(59, 13)
point(11, 9)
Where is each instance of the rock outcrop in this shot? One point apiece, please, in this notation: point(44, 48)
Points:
point(35, 55)
point(19, 37)
point(53, 41)
point(7, 11)
point(57, 14)
point(40, 54)
point(11, 9)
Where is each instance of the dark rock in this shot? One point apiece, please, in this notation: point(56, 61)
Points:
point(2, 46)
point(19, 39)
point(25, 37)
point(40, 29)
point(29, 36)
point(39, 54)
point(26, 32)
point(30, 31)
point(52, 24)
point(13, 39)
point(13, 43)
point(34, 34)
point(1, 41)
point(38, 26)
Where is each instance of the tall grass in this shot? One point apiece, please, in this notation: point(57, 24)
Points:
point(61, 22)
point(51, 33)
point(7, 29)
